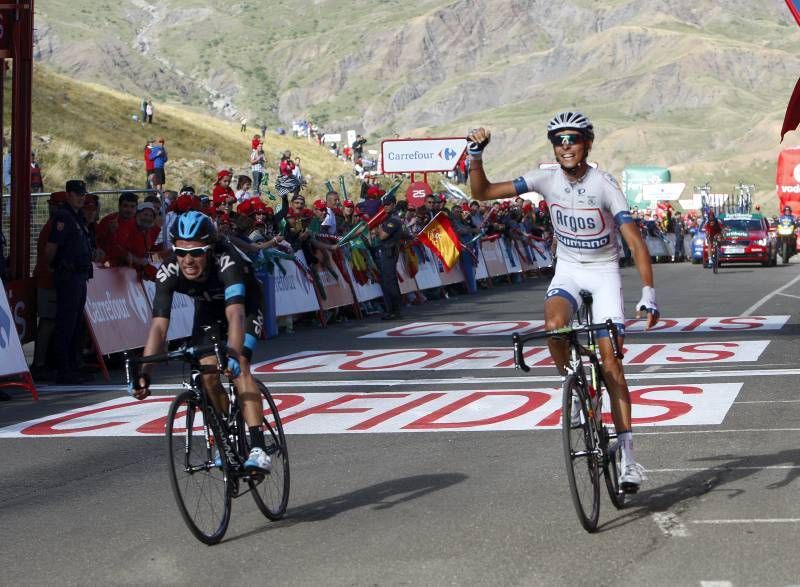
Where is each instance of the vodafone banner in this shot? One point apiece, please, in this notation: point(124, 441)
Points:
point(788, 179)
point(12, 359)
point(508, 327)
point(424, 411)
point(117, 309)
point(484, 358)
point(181, 317)
point(421, 155)
point(294, 293)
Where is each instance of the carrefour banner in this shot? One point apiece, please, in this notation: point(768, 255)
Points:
point(636, 177)
point(422, 155)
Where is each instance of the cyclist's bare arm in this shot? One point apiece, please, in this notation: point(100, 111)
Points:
point(481, 187)
point(630, 232)
point(156, 339)
point(235, 316)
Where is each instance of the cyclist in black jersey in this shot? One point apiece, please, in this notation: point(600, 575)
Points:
point(228, 301)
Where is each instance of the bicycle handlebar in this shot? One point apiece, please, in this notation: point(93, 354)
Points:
point(519, 341)
point(188, 354)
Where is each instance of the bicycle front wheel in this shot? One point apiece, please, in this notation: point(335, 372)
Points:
point(580, 453)
point(271, 491)
point(201, 489)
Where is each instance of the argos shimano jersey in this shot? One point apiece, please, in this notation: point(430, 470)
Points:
point(585, 214)
point(230, 280)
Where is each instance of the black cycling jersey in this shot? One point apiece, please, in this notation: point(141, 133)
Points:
point(230, 280)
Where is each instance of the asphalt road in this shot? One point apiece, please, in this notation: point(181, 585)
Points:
point(439, 504)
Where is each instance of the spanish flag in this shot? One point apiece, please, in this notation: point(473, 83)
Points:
point(440, 238)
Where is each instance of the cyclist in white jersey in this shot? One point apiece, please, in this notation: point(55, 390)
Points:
point(586, 208)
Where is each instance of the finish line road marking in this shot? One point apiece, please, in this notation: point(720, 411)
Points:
point(422, 359)
point(392, 383)
point(504, 328)
point(441, 411)
point(723, 469)
point(750, 521)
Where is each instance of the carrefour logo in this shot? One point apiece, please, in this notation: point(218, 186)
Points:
point(449, 154)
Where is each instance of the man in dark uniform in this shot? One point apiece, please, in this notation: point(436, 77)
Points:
point(69, 253)
point(390, 233)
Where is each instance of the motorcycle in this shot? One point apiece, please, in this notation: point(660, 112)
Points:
point(787, 239)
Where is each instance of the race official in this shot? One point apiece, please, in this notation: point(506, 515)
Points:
point(390, 233)
point(69, 254)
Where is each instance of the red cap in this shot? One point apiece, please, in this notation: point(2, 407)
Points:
point(255, 143)
point(245, 208)
point(375, 190)
point(320, 205)
point(348, 204)
point(442, 198)
point(223, 173)
point(184, 203)
point(465, 207)
point(57, 198)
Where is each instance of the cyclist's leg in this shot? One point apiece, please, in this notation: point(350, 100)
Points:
point(561, 302)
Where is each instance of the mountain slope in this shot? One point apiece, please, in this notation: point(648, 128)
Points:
point(699, 86)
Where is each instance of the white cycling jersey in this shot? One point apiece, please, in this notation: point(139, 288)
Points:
point(585, 214)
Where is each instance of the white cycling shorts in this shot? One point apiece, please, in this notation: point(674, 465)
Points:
point(603, 281)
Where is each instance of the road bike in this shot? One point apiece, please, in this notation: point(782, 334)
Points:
point(590, 444)
point(207, 448)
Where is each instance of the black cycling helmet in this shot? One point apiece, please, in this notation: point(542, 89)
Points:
point(570, 120)
point(193, 226)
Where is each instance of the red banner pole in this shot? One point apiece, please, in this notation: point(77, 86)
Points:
point(21, 141)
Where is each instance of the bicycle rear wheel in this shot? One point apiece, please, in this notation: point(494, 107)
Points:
point(580, 454)
point(201, 489)
point(612, 465)
point(271, 491)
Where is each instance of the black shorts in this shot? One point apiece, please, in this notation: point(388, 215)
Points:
point(210, 322)
point(160, 178)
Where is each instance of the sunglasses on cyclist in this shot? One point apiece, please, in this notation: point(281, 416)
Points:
point(566, 139)
point(194, 252)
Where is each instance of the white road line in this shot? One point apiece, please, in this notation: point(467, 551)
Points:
point(734, 373)
point(718, 468)
point(749, 311)
point(670, 524)
point(771, 401)
point(789, 295)
point(739, 430)
point(716, 584)
point(750, 521)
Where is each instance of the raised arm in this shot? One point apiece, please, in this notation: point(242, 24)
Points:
point(481, 187)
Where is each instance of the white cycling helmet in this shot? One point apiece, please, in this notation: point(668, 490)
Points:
point(570, 120)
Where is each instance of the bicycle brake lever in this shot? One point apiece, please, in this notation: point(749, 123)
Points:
point(519, 357)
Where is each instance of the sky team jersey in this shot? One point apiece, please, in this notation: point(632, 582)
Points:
point(585, 214)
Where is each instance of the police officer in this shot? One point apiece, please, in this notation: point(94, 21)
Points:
point(69, 253)
point(390, 233)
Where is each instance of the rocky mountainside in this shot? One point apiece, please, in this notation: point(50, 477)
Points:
point(699, 86)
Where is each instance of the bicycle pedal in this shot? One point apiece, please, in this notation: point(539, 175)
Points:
point(629, 488)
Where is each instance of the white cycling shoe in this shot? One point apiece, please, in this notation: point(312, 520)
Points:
point(258, 461)
point(631, 478)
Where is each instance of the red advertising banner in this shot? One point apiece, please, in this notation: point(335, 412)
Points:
point(22, 301)
point(117, 309)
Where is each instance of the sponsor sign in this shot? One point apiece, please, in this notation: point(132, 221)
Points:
point(662, 191)
point(117, 309)
point(788, 178)
point(508, 327)
point(332, 138)
point(477, 358)
point(416, 193)
point(337, 291)
point(405, 281)
point(12, 359)
point(366, 292)
point(439, 411)
point(294, 293)
point(421, 155)
point(22, 302)
point(181, 317)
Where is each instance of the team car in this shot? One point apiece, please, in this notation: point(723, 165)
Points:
point(746, 239)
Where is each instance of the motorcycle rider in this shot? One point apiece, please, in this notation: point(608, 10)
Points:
point(787, 230)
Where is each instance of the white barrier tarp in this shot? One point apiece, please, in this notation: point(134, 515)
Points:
point(480, 270)
point(510, 255)
point(12, 359)
point(181, 316)
point(541, 254)
point(428, 274)
point(294, 293)
point(366, 292)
